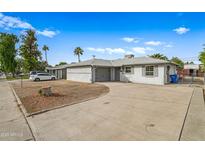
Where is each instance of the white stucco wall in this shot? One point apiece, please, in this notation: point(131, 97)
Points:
point(172, 71)
point(137, 76)
point(81, 74)
point(112, 74)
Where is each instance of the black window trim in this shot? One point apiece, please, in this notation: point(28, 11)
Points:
point(126, 69)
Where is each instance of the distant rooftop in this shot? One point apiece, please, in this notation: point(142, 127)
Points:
point(191, 66)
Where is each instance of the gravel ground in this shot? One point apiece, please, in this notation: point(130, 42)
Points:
point(64, 93)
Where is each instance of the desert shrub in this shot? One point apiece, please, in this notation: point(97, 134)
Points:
point(40, 91)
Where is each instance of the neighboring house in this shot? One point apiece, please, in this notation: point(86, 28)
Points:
point(192, 70)
point(59, 71)
point(129, 69)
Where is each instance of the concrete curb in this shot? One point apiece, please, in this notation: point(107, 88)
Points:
point(194, 128)
point(187, 111)
point(25, 114)
point(19, 102)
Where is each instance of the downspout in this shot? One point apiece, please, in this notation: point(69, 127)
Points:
point(93, 70)
point(93, 73)
point(92, 81)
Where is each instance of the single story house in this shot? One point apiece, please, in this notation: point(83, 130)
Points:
point(192, 70)
point(129, 69)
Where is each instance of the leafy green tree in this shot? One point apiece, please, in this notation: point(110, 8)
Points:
point(178, 61)
point(159, 56)
point(78, 52)
point(41, 65)
point(19, 65)
point(29, 51)
point(202, 58)
point(62, 63)
point(45, 49)
point(8, 52)
point(191, 62)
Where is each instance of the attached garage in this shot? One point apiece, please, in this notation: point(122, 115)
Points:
point(81, 74)
point(102, 74)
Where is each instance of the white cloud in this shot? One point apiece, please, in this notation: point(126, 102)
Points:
point(96, 49)
point(48, 33)
point(153, 43)
point(9, 22)
point(142, 50)
point(181, 30)
point(115, 50)
point(130, 40)
point(168, 46)
point(139, 50)
point(159, 43)
point(108, 50)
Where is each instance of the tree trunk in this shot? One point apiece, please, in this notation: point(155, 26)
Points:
point(78, 58)
point(46, 57)
point(13, 74)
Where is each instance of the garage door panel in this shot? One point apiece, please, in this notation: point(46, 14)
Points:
point(102, 74)
point(82, 74)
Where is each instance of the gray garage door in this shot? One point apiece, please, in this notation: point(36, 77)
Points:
point(102, 74)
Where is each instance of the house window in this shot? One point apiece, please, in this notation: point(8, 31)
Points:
point(149, 70)
point(128, 69)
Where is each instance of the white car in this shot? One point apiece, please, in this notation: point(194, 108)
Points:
point(42, 76)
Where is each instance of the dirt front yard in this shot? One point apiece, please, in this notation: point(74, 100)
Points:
point(64, 93)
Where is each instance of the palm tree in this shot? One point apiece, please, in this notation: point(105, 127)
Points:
point(178, 61)
point(45, 49)
point(159, 56)
point(202, 60)
point(78, 51)
point(202, 57)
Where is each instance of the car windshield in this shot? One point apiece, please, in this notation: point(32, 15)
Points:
point(33, 73)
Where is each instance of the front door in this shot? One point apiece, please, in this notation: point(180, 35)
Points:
point(191, 72)
point(168, 78)
point(117, 74)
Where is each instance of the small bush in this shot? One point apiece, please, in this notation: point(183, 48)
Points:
point(40, 92)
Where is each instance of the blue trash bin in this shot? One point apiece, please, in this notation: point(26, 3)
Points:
point(174, 78)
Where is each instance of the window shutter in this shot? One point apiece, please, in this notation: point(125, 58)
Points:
point(156, 70)
point(143, 70)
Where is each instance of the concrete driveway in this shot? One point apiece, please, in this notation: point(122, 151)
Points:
point(128, 112)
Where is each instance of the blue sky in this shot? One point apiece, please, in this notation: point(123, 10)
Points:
point(112, 35)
